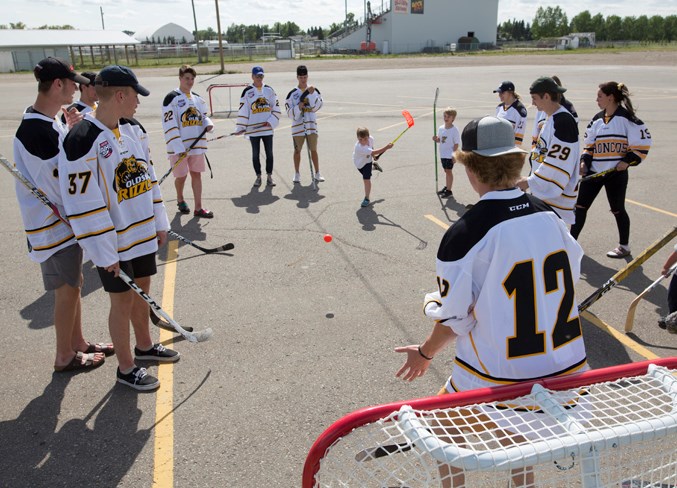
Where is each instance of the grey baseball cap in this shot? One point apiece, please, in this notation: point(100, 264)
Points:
point(489, 136)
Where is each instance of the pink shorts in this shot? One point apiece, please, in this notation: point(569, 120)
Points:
point(194, 163)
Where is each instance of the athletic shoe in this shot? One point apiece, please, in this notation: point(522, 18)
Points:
point(139, 379)
point(619, 252)
point(257, 182)
point(204, 213)
point(376, 167)
point(319, 177)
point(365, 203)
point(183, 207)
point(157, 353)
point(447, 194)
point(662, 324)
point(297, 178)
point(269, 181)
point(671, 323)
point(442, 191)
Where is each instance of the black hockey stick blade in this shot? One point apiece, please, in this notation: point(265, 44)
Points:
point(165, 325)
point(225, 247)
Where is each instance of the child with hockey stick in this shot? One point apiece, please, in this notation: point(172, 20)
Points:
point(363, 154)
point(509, 245)
point(115, 207)
point(449, 139)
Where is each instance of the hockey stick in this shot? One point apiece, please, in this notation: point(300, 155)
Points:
point(225, 247)
point(310, 158)
point(39, 194)
point(190, 336)
point(629, 268)
point(437, 92)
point(410, 124)
point(182, 157)
point(43, 198)
point(598, 175)
point(221, 137)
point(164, 325)
point(630, 319)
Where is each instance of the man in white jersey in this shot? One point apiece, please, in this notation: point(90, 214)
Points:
point(302, 105)
point(50, 241)
point(184, 118)
point(116, 210)
point(554, 158)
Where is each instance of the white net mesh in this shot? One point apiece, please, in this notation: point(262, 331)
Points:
point(224, 99)
point(621, 433)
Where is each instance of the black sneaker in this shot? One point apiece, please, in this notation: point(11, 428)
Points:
point(442, 191)
point(447, 194)
point(157, 353)
point(139, 379)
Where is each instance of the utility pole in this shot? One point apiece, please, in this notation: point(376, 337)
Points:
point(197, 40)
point(103, 27)
point(218, 26)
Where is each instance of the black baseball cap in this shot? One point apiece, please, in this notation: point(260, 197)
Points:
point(505, 86)
point(56, 68)
point(301, 70)
point(116, 75)
point(489, 136)
point(545, 84)
point(90, 75)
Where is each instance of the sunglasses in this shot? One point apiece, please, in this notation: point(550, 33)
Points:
point(258, 76)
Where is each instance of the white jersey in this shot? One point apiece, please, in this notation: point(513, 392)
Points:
point(516, 114)
point(541, 116)
point(449, 138)
point(184, 117)
point(555, 164)
point(303, 117)
point(110, 191)
point(258, 106)
point(36, 150)
point(622, 137)
point(509, 298)
point(81, 107)
point(362, 154)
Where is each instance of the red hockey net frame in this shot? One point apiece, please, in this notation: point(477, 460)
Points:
point(362, 417)
point(230, 86)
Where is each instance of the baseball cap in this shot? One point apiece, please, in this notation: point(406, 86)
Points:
point(56, 68)
point(489, 136)
point(505, 86)
point(301, 70)
point(257, 70)
point(116, 75)
point(545, 84)
point(90, 75)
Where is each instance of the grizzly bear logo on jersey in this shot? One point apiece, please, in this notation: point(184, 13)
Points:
point(191, 117)
point(131, 179)
point(260, 105)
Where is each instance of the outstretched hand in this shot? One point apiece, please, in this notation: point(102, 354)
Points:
point(415, 365)
point(73, 116)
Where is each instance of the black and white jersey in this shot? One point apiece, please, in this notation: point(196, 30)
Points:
point(80, 106)
point(36, 149)
point(506, 273)
point(258, 107)
point(541, 116)
point(304, 118)
point(555, 164)
point(610, 140)
point(110, 191)
point(516, 114)
point(184, 117)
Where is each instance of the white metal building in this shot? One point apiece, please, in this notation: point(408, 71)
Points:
point(22, 49)
point(407, 26)
point(170, 30)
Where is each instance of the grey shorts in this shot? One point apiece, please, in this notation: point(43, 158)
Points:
point(64, 267)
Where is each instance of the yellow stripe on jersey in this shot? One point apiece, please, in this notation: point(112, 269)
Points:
point(135, 224)
point(134, 244)
point(87, 214)
point(94, 234)
point(52, 246)
point(46, 227)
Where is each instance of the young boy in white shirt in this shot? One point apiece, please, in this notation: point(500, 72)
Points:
point(448, 138)
point(362, 158)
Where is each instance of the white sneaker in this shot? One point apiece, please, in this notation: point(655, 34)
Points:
point(319, 177)
point(297, 178)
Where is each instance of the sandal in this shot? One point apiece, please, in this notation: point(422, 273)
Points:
point(106, 348)
point(80, 361)
point(183, 207)
point(618, 253)
point(203, 212)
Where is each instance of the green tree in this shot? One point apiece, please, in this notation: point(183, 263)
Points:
point(641, 28)
point(598, 25)
point(582, 22)
point(17, 25)
point(656, 31)
point(614, 28)
point(670, 28)
point(549, 22)
point(629, 28)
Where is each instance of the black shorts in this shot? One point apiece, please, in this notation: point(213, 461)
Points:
point(136, 268)
point(447, 163)
point(366, 171)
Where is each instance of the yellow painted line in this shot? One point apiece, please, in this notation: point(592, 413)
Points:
point(659, 210)
point(163, 471)
point(619, 336)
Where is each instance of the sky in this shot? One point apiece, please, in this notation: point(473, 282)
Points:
point(136, 15)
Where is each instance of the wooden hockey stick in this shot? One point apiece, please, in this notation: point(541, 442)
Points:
point(410, 124)
point(182, 157)
point(192, 337)
point(629, 268)
point(630, 319)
